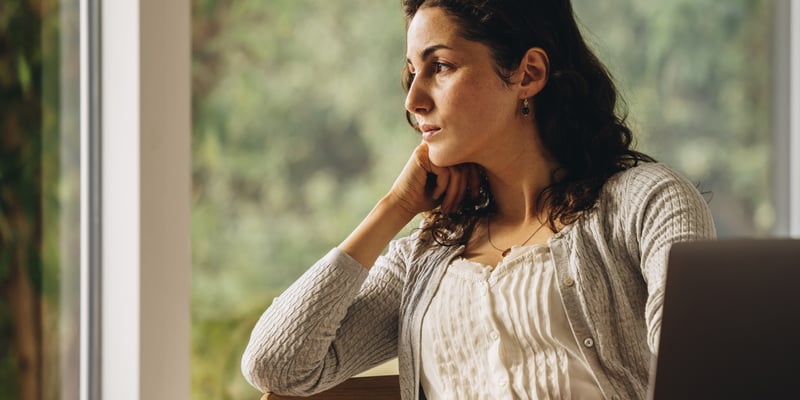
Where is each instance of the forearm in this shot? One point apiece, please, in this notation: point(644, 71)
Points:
point(293, 337)
point(366, 243)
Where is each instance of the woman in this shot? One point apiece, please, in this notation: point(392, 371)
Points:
point(538, 271)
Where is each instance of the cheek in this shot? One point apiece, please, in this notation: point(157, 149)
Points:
point(485, 101)
point(473, 107)
point(486, 111)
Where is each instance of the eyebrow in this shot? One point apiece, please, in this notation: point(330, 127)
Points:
point(429, 50)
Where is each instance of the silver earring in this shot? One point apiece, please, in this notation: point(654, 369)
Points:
point(526, 108)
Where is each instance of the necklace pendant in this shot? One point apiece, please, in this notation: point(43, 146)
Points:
point(505, 252)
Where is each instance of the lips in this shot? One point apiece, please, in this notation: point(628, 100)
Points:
point(428, 130)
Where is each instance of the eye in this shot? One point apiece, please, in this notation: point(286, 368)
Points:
point(440, 67)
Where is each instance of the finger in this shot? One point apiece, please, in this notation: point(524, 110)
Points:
point(461, 190)
point(421, 154)
point(455, 190)
point(442, 180)
point(474, 182)
point(424, 164)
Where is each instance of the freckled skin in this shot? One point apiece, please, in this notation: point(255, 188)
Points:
point(474, 108)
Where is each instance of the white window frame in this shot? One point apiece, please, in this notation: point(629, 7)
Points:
point(136, 262)
point(786, 140)
point(794, 118)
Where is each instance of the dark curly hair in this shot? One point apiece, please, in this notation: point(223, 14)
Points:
point(576, 111)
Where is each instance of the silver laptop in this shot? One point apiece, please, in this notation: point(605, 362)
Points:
point(731, 323)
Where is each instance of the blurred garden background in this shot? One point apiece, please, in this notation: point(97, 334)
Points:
point(299, 129)
point(39, 199)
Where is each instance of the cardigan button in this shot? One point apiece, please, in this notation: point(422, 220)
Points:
point(569, 282)
point(588, 342)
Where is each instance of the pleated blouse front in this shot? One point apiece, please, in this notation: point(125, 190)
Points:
point(502, 333)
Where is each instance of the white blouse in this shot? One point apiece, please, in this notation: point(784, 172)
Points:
point(502, 333)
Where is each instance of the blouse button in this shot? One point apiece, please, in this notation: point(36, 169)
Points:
point(569, 282)
point(588, 342)
point(494, 335)
point(502, 381)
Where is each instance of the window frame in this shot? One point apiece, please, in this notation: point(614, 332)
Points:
point(786, 137)
point(135, 143)
point(794, 117)
point(90, 245)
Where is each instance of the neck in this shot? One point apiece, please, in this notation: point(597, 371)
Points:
point(517, 184)
point(505, 251)
point(518, 170)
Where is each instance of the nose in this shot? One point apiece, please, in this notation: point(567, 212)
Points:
point(418, 100)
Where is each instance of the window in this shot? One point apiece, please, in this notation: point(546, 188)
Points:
point(298, 129)
point(297, 122)
point(39, 200)
point(52, 296)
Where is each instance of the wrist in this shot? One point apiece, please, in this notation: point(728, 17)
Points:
point(393, 206)
point(370, 238)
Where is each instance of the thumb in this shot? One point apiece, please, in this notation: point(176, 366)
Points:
point(421, 154)
point(437, 177)
point(424, 160)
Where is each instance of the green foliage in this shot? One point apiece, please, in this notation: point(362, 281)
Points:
point(24, 75)
point(697, 77)
point(38, 190)
point(298, 122)
point(20, 163)
point(299, 128)
point(217, 345)
point(8, 366)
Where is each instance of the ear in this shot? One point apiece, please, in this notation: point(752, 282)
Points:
point(534, 69)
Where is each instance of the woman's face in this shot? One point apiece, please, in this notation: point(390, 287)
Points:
point(464, 109)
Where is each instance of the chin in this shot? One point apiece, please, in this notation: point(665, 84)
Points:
point(444, 158)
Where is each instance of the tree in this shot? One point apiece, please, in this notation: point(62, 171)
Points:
point(37, 195)
point(21, 191)
point(697, 77)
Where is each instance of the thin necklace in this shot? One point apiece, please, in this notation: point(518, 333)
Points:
point(508, 250)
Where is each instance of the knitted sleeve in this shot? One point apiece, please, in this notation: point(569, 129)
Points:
point(667, 209)
point(335, 321)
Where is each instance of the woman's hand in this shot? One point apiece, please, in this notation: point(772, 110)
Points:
point(422, 185)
